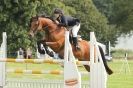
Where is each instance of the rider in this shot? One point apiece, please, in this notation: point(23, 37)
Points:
point(73, 24)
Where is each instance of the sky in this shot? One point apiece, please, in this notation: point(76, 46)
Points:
point(125, 43)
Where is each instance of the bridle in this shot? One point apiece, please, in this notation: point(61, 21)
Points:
point(44, 28)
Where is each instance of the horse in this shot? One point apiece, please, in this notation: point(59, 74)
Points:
point(55, 37)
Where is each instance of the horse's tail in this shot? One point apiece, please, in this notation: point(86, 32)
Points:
point(108, 70)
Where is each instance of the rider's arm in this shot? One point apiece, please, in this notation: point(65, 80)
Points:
point(63, 22)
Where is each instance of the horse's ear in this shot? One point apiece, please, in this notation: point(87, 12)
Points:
point(34, 18)
point(37, 16)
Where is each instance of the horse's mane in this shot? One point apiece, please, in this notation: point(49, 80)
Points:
point(43, 16)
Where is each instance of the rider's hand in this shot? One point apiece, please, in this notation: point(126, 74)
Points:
point(62, 25)
point(56, 22)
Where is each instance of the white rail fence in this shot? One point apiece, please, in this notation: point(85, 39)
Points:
point(72, 77)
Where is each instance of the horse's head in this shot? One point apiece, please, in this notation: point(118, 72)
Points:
point(39, 23)
point(36, 24)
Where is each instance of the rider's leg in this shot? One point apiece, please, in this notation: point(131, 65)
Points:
point(75, 30)
point(70, 36)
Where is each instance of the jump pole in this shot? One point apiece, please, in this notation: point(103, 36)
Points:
point(98, 75)
point(3, 55)
point(40, 61)
point(72, 77)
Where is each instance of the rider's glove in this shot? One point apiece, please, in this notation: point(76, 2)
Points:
point(60, 24)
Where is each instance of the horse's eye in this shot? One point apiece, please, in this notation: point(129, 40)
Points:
point(36, 24)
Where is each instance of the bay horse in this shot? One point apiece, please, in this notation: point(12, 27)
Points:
point(55, 36)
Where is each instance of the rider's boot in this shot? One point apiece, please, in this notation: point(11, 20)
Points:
point(75, 43)
point(70, 39)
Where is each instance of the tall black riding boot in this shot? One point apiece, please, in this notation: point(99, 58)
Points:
point(70, 39)
point(75, 43)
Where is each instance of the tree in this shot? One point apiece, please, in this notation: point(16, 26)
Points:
point(14, 19)
point(119, 13)
point(93, 20)
point(15, 16)
point(123, 15)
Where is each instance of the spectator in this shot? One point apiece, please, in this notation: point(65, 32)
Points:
point(29, 53)
point(20, 53)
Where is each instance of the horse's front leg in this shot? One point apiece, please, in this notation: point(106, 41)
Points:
point(57, 47)
point(55, 44)
point(45, 48)
point(40, 47)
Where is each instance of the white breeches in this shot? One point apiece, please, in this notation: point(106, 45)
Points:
point(74, 30)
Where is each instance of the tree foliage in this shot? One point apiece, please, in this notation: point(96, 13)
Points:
point(123, 15)
point(118, 12)
point(103, 17)
point(93, 20)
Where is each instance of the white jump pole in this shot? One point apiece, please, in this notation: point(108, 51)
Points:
point(72, 77)
point(3, 55)
point(109, 50)
point(98, 75)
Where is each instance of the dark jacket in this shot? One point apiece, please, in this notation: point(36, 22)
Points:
point(68, 21)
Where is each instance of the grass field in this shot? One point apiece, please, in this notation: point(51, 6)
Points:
point(123, 79)
point(117, 80)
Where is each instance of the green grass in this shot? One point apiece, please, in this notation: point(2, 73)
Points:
point(117, 80)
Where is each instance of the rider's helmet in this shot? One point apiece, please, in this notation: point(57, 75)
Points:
point(58, 11)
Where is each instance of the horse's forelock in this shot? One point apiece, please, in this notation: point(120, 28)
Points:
point(33, 19)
